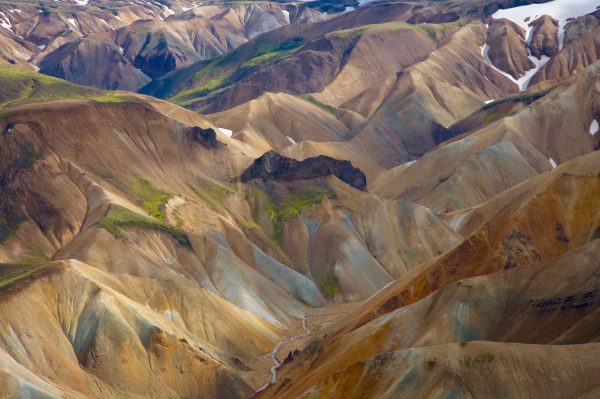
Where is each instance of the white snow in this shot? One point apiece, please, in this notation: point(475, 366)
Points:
point(42, 46)
point(226, 132)
point(121, 50)
point(286, 14)
point(594, 127)
point(291, 140)
point(4, 21)
point(16, 11)
point(73, 22)
point(561, 10)
point(167, 11)
point(524, 80)
point(82, 2)
point(490, 101)
point(552, 163)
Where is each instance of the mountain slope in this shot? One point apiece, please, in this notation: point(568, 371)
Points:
point(509, 307)
point(132, 203)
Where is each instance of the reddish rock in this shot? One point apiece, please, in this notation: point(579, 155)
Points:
point(507, 47)
point(579, 27)
point(574, 57)
point(544, 37)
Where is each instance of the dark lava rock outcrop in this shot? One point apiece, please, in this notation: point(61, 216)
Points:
point(205, 137)
point(544, 37)
point(273, 166)
point(507, 47)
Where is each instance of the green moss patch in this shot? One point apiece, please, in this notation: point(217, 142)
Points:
point(493, 116)
point(19, 86)
point(150, 198)
point(211, 192)
point(314, 101)
point(331, 286)
point(119, 217)
point(294, 204)
point(221, 72)
point(286, 208)
point(13, 272)
point(23, 86)
point(486, 357)
point(270, 213)
point(527, 98)
point(267, 50)
point(115, 98)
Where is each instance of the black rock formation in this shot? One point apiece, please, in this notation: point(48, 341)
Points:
point(206, 137)
point(273, 166)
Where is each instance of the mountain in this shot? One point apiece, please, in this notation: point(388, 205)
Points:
point(113, 209)
point(327, 199)
point(123, 45)
point(152, 48)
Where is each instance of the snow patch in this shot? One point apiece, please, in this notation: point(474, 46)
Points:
point(73, 22)
point(594, 127)
point(524, 80)
point(226, 132)
point(560, 10)
point(490, 101)
point(291, 140)
point(16, 11)
point(121, 50)
point(82, 2)
point(4, 21)
point(167, 11)
point(286, 14)
point(552, 163)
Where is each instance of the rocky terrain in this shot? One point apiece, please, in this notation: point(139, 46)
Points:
point(328, 199)
point(273, 167)
point(124, 46)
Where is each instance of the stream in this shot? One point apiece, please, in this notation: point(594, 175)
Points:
point(275, 363)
